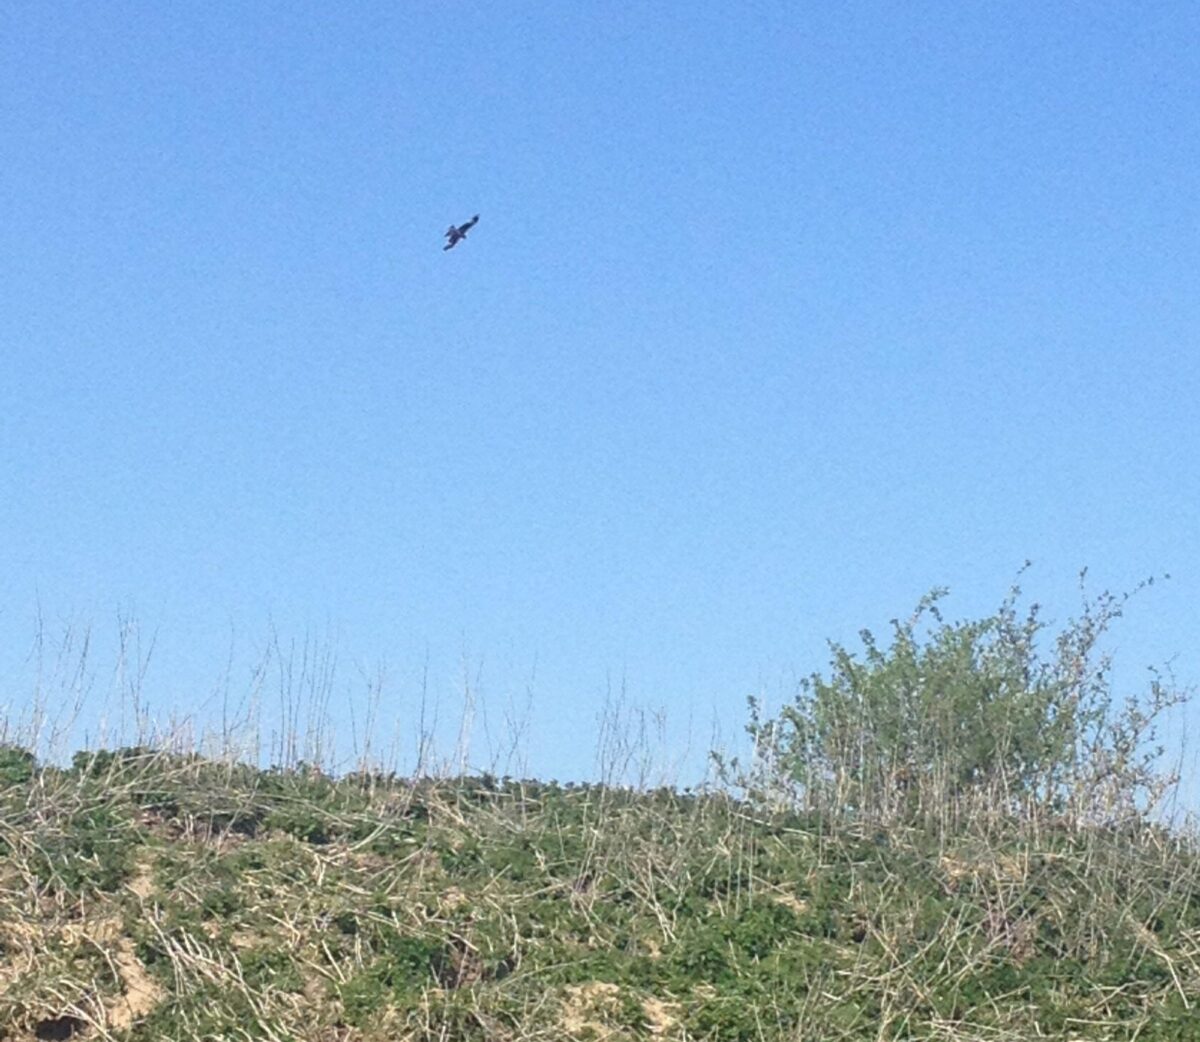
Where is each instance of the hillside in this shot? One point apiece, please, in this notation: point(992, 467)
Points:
point(145, 896)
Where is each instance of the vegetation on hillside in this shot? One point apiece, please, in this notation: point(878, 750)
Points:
point(949, 838)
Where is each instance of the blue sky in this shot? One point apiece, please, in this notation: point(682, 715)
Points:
point(776, 316)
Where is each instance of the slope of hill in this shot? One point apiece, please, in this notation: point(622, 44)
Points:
point(145, 896)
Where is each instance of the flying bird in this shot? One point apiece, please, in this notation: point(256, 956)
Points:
point(456, 234)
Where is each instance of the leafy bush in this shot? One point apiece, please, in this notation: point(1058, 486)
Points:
point(963, 719)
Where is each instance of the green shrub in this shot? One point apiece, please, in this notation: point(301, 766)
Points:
point(959, 719)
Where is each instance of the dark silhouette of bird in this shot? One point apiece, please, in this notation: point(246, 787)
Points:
point(457, 234)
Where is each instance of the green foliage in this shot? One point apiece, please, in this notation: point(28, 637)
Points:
point(404, 966)
point(91, 849)
point(16, 765)
point(271, 968)
point(722, 945)
point(207, 1010)
point(962, 719)
point(305, 823)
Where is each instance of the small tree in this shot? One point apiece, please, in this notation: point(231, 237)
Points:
point(968, 718)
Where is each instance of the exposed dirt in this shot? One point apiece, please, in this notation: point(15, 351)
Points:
point(141, 992)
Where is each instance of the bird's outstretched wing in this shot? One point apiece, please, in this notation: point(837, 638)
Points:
point(457, 234)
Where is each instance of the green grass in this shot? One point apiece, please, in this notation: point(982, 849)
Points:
point(145, 896)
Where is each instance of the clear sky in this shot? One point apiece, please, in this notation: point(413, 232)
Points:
point(777, 315)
